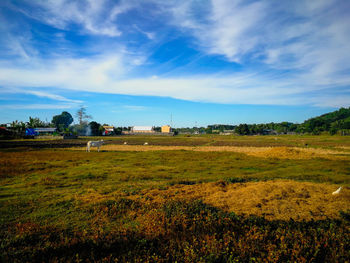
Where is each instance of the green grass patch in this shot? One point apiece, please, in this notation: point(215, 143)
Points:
point(62, 205)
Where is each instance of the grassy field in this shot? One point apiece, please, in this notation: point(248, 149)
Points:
point(324, 141)
point(185, 199)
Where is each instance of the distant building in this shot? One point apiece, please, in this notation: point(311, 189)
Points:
point(5, 132)
point(166, 129)
point(39, 131)
point(227, 132)
point(142, 129)
point(269, 132)
point(108, 130)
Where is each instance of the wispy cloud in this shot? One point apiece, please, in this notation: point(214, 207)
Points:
point(289, 54)
point(36, 106)
point(149, 35)
point(227, 28)
point(94, 17)
point(135, 107)
point(40, 94)
point(94, 76)
point(311, 37)
point(50, 96)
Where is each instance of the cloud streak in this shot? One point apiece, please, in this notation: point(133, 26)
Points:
point(88, 14)
point(310, 38)
point(290, 54)
point(36, 106)
point(104, 76)
point(50, 96)
point(134, 107)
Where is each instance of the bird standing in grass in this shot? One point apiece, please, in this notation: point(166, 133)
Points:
point(338, 191)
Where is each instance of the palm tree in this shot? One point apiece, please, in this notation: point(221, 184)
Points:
point(35, 123)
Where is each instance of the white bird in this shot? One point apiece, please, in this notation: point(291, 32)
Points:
point(338, 191)
point(146, 143)
point(125, 142)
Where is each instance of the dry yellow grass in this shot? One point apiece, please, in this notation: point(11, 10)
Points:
point(344, 149)
point(264, 152)
point(278, 199)
point(272, 199)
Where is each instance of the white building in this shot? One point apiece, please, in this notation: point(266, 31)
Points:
point(142, 129)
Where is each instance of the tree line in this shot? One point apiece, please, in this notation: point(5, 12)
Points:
point(336, 122)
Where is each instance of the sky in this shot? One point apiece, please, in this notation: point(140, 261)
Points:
point(184, 62)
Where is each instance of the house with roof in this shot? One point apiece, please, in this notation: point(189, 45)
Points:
point(108, 130)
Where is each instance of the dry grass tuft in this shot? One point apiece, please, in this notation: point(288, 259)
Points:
point(286, 152)
point(262, 152)
point(272, 199)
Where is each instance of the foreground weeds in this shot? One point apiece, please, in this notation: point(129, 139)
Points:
point(178, 231)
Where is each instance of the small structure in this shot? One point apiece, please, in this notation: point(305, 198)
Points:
point(142, 129)
point(6, 133)
point(39, 131)
point(227, 132)
point(166, 129)
point(269, 132)
point(108, 130)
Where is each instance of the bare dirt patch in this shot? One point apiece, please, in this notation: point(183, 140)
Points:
point(279, 199)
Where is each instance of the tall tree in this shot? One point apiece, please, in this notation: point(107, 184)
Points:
point(82, 116)
point(242, 129)
point(62, 121)
point(94, 128)
point(18, 126)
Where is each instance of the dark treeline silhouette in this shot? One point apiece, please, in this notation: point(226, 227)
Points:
point(336, 122)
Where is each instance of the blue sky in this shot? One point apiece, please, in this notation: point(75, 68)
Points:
point(133, 62)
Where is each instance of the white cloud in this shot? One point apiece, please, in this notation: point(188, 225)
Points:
point(149, 35)
point(36, 106)
point(65, 73)
point(227, 29)
point(109, 76)
point(135, 107)
point(48, 95)
point(310, 36)
point(336, 101)
point(15, 46)
point(39, 93)
point(288, 51)
point(94, 17)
